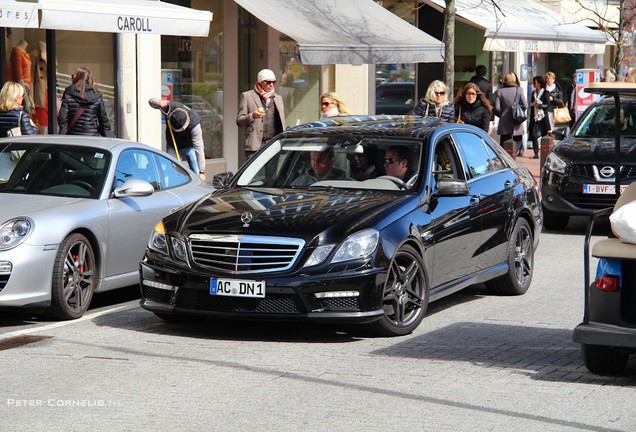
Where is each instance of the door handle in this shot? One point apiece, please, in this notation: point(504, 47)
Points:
point(474, 198)
point(507, 184)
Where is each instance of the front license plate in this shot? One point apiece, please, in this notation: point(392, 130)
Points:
point(237, 288)
point(601, 189)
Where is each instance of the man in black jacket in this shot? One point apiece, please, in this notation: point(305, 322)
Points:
point(184, 124)
point(484, 85)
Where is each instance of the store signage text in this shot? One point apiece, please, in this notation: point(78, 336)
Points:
point(133, 24)
point(190, 45)
point(7, 14)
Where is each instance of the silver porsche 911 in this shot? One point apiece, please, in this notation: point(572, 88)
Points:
point(76, 214)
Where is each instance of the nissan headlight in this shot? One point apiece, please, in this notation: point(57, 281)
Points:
point(555, 163)
point(357, 246)
point(14, 232)
point(157, 241)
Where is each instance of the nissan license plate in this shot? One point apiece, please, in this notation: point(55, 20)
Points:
point(601, 189)
point(237, 288)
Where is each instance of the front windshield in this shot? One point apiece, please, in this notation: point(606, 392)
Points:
point(600, 121)
point(329, 161)
point(47, 169)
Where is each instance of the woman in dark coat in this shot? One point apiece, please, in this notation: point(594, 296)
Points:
point(472, 107)
point(539, 124)
point(555, 95)
point(435, 103)
point(506, 96)
point(82, 111)
point(11, 113)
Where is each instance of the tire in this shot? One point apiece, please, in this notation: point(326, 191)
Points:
point(520, 263)
point(604, 360)
point(555, 221)
point(74, 276)
point(405, 297)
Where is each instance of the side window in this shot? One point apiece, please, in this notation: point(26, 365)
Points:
point(171, 174)
point(478, 158)
point(137, 164)
point(445, 163)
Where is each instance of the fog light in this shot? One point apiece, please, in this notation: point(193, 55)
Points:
point(5, 267)
point(158, 285)
point(550, 199)
point(608, 282)
point(334, 294)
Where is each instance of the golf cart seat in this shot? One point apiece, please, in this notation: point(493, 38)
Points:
point(613, 247)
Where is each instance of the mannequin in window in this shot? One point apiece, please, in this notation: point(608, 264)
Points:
point(40, 83)
point(19, 70)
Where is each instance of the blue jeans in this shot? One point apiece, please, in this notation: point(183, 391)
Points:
point(188, 154)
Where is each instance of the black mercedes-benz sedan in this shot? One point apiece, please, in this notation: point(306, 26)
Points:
point(353, 220)
point(579, 176)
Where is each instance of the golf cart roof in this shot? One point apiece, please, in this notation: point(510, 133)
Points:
point(612, 88)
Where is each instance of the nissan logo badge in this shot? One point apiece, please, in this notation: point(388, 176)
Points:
point(246, 218)
point(607, 171)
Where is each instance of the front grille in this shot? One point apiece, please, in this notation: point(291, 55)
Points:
point(588, 172)
point(273, 303)
point(156, 294)
point(244, 254)
point(4, 279)
point(340, 304)
point(583, 171)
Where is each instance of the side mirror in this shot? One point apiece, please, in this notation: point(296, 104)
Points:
point(222, 179)
point(451, 187)
point(134, 188)
point(560, 133)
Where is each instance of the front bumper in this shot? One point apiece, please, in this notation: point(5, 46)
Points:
point(286, 297)
point(605, 335)
point(28, 284)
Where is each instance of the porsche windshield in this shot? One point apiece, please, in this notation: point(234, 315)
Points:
point(58, 170)
point(327, 161)
point(600, 120)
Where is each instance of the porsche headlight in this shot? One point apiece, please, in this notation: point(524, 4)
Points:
point(555, 163)
point(14, 232)
point(157, 240)
point(357, 246)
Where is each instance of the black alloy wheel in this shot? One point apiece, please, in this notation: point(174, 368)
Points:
point(520, 263)
point(405, 298)
point(74, 275)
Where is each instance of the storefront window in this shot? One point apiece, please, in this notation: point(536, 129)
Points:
point(299, 85)
point(93, 51)
point(27, 63)
point(192, 73)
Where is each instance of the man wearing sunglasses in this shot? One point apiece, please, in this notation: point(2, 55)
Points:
point(261, 112)
point(398, 161)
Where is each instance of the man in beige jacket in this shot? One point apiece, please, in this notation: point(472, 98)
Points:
point(261, 112)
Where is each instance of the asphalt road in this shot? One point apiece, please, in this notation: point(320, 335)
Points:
point(476, 363)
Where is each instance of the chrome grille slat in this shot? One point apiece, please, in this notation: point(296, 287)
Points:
point(236, 254)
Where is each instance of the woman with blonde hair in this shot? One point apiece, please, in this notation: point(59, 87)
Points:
point(508, 127)
point(435, 103)
point(472, 107)
point(331, 105)
point(12, 116)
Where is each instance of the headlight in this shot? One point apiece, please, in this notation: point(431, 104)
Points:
point(319, 255)
point(14, 232)
point(157, 240)
point(179, 249)
point(357, 246)
point(555, 163)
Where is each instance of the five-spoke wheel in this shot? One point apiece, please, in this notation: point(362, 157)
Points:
point(520, 263)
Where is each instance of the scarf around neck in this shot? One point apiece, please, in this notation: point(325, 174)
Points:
point(265, 95)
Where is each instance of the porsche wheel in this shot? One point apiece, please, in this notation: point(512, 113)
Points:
point(74, 275)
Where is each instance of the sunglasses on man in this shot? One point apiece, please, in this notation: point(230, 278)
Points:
point(391, 161)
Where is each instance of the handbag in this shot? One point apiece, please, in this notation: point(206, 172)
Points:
point(562, 115)
point(459, 117)
point(16, 131)
point(518, 113)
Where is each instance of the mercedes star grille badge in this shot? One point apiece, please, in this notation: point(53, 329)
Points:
point(246, 218)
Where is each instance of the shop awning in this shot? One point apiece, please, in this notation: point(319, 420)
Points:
point(18, 15)
point(525, 26)
point(124, 16)
point(346, 32)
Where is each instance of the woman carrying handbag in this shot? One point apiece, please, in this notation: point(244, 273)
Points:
point(13, 119)
point(506, 97)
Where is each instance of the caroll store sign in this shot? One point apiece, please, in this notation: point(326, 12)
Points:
point(18, 15)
